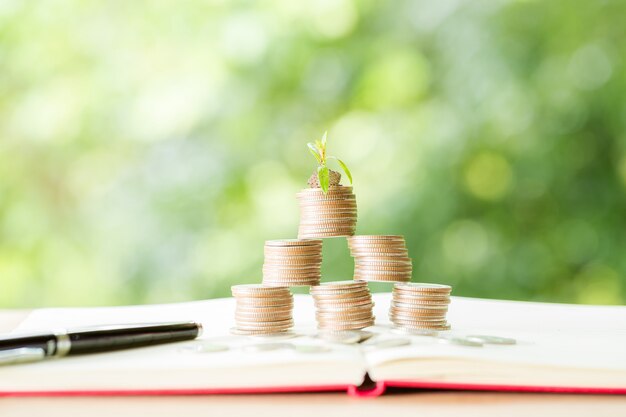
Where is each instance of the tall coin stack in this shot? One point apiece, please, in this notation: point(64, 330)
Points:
point(262, 310)
point(292, 262)
point(418, 306)
point(327, 215)
point(343, 305)
point(380, 258)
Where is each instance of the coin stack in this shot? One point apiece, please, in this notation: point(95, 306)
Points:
point(343, 305)
point(327, 215)
point(380, 258)
point(292, 262)
point(262, 310)
point(418, 306)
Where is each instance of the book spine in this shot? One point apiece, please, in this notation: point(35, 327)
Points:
point(375, 390)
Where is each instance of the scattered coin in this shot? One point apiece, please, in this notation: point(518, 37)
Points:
point(266, 347)
point(492, 340)
point(461, 341)
point(390, 343)
point(414, 332)
point(311, 348)
point(204, 348)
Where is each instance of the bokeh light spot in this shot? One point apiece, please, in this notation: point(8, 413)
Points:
point(488, 176)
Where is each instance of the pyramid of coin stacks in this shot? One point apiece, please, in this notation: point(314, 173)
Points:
point(327, 215)
point(417, 306)
point(341, 305)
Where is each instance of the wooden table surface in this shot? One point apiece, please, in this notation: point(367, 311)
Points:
point(422, 404)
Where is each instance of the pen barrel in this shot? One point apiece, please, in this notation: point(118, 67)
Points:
point(117, 339)
point(47, 342)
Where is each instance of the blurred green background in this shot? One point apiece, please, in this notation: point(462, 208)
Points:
point(148, 148)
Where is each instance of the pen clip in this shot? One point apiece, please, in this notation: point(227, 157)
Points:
point(21, 355)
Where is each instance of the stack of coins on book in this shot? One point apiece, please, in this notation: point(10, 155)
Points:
point(418, 306)
point(292, 262)
point(380, 258)
point(343, 305)
point(262, 309)
point(327, 215)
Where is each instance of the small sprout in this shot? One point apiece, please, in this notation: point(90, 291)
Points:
point(324, 177)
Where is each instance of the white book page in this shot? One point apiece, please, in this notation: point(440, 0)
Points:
point(550, 336)
point(172, 366)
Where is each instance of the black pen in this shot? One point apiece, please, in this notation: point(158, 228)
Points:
point(59, 343)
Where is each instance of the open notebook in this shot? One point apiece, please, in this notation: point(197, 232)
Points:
point(561, 348)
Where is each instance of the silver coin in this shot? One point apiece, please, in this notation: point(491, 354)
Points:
point(460, 341)
point(365, 335)
point(347, 337)
point(391, 343)
point(492, 340)
point(311, 348)
point(415, 332)
point(266, 347)
point(274, 336)
point(204, 348)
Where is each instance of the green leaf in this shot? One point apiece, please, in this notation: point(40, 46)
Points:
point(324, 139)
point(344, 167)
point(323, 177)
point(315, 152)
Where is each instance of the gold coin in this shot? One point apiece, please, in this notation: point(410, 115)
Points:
point(346, 315)
point(355, 293)
point(258, 290)
point(346, 325)
point(291, 282)
point(369, 238)
point(422, 302)
point(405, 306)
point(332, 285)
point(373, 252)
point(298, 250)
point(395, 244)
point(422, 327)
point(291, 267)
point(380, 268)
point(264, 322)
point(263, 315)
point(339, 305)
point(324, 235)
point(397, 295)
point(265, 303)
point(318, 221)
point(316, 259)
point(418, 287)
point(305, 211)
point(293, 242)
point(291, 274)
point(419, 311)
point(286, 270)
point(265, 309)
point(363, 259)
point(381, 278)
point(239, 332)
